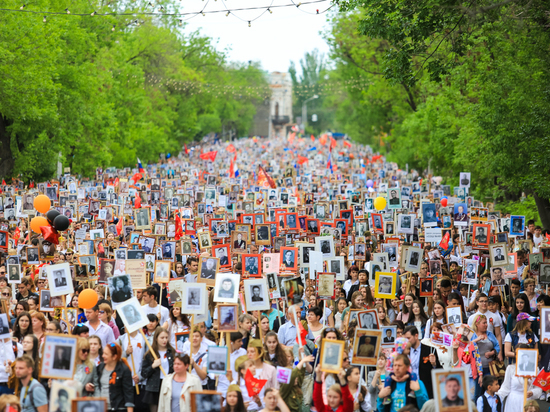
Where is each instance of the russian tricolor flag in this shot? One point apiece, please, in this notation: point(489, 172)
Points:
point(329, 162)
point(140, 167)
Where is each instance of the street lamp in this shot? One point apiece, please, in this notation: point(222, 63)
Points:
point(304, 111)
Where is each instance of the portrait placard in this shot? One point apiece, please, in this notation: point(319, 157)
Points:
point(132, 315)
point(385, 284)
point(332, 355)
point(59, 356)
point(226, 289)
point(137, 272)
point(526, 362)
point(89, 405)
point(366, 347)
point(59, 279)
point(451, 389)
point(257, 294)
point(194, 299)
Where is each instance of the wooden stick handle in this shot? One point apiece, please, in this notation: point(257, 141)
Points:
point(152, 351)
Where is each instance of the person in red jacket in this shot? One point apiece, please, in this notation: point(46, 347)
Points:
point(339, 398)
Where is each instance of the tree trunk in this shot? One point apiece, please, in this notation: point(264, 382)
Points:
point(543, 206)
point(6, 156)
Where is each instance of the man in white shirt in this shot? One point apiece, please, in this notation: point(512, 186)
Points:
point(193, 268)
point(151, 306)
point(494, 321)
point(98, 327)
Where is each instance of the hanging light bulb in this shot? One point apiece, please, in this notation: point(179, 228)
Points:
point(44, 19)
point(67, 10)
point(22, 7)
point(93, 13)
point(113, 29)
point(227, 14)
point(181, 22)
point(203, 14)
point(249, 25)
point(269, 10)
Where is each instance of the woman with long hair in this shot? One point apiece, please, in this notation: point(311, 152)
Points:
point(177, 322)
point(358, 392)
point(439, 315)
point(357, 302)
point(521, 333)
point(245, 326)
point(150, 329)
point(363, 280)
point(31, 347)
point(53, 327)
point(19, 308)
point(255, 352)
point(150, 367)
point(179, 271)
point(33, 302)
point(487, 345)
point(86, 371)
point(406, 311)
point(234, 400)
point(382, 316)
point(96, 349)
point(175, 392)
point(38, 325)
point(22, 326)
point(274, 351)
point(521, 304)
point(115, 380)
point(529, 288)
point(264, 327)
point(341, 304)
point(418, 317)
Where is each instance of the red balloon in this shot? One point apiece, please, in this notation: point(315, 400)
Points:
point(50, 234)
point(444, 202)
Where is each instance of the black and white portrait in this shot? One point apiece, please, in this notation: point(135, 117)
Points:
point(256, 293)
point(368, 319)
point(429, 214)
point(194, 298)
point(59, 279)
point(526, 365)
point(226, 288)
point(208, 267)
point(120, 288)
point(132, 315)
point(217, 360)
point(61, 350)
point(210, 401)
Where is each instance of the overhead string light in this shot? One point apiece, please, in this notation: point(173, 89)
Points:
point(184, 16)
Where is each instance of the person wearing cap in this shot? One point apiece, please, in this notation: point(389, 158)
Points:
point(234, 399)
point(175, 392)
point(521, 333)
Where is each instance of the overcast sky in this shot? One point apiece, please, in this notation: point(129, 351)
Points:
point(274, 39)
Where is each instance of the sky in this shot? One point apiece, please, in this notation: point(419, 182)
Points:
point(273, 39)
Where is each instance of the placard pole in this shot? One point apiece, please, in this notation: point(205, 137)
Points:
point(152, 351)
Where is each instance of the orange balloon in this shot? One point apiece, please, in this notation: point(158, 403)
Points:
point(42, 203)
point(38, 221)
point(87, 299)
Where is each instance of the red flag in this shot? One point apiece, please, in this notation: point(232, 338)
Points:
point(347, 144)
point(543, 380)
point(301, 335)
point(302, 159)
point(291, 137)
point(16, 235)
point(137, 177)
point(137, 202)
point(3, 182)
point(119, 226)
point(312, 138)
point(253, 386)
point(31, 185)
point(209, 155)
point(231, 148)
point(323, 139)
point(332, 142)
point(179, 229)
point(186, 149)
point(444, 244)
point(264, 179)
point(116, 182)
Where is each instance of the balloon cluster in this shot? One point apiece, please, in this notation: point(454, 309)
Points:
point(50, 225)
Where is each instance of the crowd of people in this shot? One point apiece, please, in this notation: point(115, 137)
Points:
point(287, 274)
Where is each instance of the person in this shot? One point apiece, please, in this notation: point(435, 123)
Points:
point(150, 304)
point(115, 379)
point(175, 391)
point(417, 352)
point(338, 398)
point(402, 389)
point(150, 367)
point(239, 243)
point(289, 259)
point(251, 265)
point(209, 270)
point(85, 371)
point(426, 285)
point(498, 280)
point(490, 400)
point(481, 235)
point(59, 278)
point(221, 254)
point(97, 327)
point(389, 338)
point(131, 314)
point(62, 358)
point(256, 290)
point(120, 291)
point(526, 363)
point(452, 389)
point(33, 397)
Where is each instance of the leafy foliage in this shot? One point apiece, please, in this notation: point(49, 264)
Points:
point(100, 91)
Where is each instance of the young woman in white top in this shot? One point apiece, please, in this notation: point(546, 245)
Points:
point(439, 316)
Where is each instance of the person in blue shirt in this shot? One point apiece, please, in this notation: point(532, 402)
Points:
point(398, 388)
point(489, 401)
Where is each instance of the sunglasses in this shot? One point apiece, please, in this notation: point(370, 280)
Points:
point(102, 312)
point(5, 294)
point(85, 350)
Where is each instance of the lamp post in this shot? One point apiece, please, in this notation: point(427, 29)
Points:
point(304, 111)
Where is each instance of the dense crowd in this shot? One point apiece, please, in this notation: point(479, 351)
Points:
point(259, 275)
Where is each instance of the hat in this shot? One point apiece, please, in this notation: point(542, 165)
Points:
point(494, 299)
point(255, 343)
point(234, 387)
point(522, 316)
point(240, 360)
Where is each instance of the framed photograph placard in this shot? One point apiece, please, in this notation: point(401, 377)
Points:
point(59, 279)
point(366, 347)
point(226, 289)
point(385, 285)
point(132, 315)
point(59, 356)
point(257, 294)
point(451, 389)
point(217, 358)
point(228, 315)
point(332, 355)
point(89, 405)
point(368, 319)
point(389, 334)
point(526, 363)
point(194, 299)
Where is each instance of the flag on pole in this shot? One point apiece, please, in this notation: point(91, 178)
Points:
point(140, 167)
point(264, 179)
point(329, 162)
point(209, 155)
